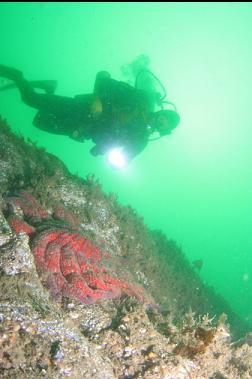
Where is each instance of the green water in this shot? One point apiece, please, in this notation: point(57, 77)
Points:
point(195, 185)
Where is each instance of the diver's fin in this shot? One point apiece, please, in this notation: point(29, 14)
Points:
point(49, 86)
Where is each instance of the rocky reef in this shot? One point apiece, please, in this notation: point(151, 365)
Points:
point(88, 291)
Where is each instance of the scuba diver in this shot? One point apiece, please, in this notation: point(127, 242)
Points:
point(118, 117)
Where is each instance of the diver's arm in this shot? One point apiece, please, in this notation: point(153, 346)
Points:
point(130, 147)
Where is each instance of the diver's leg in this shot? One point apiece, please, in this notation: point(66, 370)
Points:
point(29, 96)
point(49, 86)
point(10, 72)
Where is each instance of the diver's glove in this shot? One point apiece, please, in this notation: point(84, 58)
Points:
point(97, 150)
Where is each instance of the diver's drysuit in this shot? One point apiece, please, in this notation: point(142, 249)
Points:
point(116, 114)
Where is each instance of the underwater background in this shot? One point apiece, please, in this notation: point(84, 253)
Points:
point(196, 184)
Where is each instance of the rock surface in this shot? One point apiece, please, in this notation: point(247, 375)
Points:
point(167, 330)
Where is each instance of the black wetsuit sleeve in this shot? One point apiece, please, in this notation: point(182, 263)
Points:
point(132, 143)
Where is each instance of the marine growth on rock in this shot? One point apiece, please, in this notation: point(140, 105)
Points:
point(69, 264)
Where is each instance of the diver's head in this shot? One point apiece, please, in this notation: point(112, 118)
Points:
point(165, 121)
